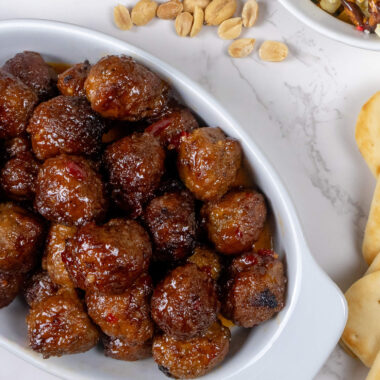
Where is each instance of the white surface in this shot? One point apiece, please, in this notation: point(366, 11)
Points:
point(301, 112)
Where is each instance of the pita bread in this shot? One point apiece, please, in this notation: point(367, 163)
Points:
point(374, 373)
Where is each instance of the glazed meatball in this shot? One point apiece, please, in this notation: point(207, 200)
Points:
point(256, 292)
point(121, 349)
point(18, 176)
point(34, 72)
point(16, 146)
point(188, 359)
point(120, 88)
point(125, 315)
point(185, 303)
point(207, 261)
point(107, 258)
point(55, 245)
point(71, 81)
point(235, 222)
point(17, 102)
point(69, 191)
point(135, 165)
point(21, 236)
point(171, 221)
point(59, 326)
point(38, 288)
point(65, 124)
point(208, 162)
point(10, 286)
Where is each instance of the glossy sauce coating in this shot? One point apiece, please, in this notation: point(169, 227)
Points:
point(207, 260)
point(121, 349)
point(10, 286)
point(71, 81)
point(15, 146)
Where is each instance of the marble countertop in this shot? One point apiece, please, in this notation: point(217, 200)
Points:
point(301, 112)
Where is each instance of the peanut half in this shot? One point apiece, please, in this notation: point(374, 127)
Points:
point(169, 10)
point(183, 23)
point(219, 10)
point(122, 17)
point(273, 51)
point(241, 47)
point(230, 29)
point(198, 21)
point(249, 13)
point(143, 12)
point(189, 5)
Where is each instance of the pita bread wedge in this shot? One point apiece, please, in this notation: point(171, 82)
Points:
point(374, 373)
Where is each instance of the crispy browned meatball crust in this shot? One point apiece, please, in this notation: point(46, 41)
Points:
point(10, 286)
point(188, 359)
point(255, 290)
point(17, 102)
point(69, 191)
point(21, 235)
point(107, 258)
point(17, 145)
point(18, 176)
point(71, 81)
point(121, 349)
point(34, 72)
point(135, 165)
point(235, 221)
point(208, 162)
point(59, 326)
point(207, 260)
point(120, 88)
point(125, 315)
point(171, 222)
point(55, 245)
point(65, 124)
point(185, 303)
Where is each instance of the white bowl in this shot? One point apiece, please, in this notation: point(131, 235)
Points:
point(291, 346)
point(324, 23)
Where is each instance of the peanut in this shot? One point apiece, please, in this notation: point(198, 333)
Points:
point(198, 21)
point(241, 47)
point(169, 10)
point(273, 51)
point(122, 17)
point(249, 13)
point(183, 23)
point(143, 12)
point(219, 10)
point(230, 29)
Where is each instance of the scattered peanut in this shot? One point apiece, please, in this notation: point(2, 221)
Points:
point(183, 23)
point(241, 47)
point(143, 12)
point(122, 17)
point(250, 13)
point(189, 5)
point(219, 10)
point(169, 10)
point(273, 51)
point(198, 21)
point(230, 29)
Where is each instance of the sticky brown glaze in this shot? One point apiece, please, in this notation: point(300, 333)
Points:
point(69, 191)
point(18, 176)
point(55, 245)
point(207, 260)
point(107, 258)
point(71, 81)
point(185, 303)
point(65, 124)
point(17, 102)
point(121, 349)
point(125, 315)
point(374, 14)
point(135, 165)
point(235, 222)
point(171, 222)
point(120, 88)
point(255, 290)
point(10, 286)
point(21, 235)
point(208, 162)
point(15, 146)
point(192, 358)
point(34, 72)
point(59, 326)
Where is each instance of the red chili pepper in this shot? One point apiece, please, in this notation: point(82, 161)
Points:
point(75, 170)
point(238, 233)
point(111, 318)
point(250, 259)
point(360, 28)
point(156, 128)
point(266, 252)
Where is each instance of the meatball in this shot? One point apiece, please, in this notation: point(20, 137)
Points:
point(69, 191)
point(255, 292)
point(10, 286)
point(17, 102)
point(235, 222)
point(21, 237)
point(125, 315)
point(208, 162)
point(38, 288)
point(207, 261)
point(188, 359)
point(185, 303)
point(55, 245)
point(107, 258)
point(135, 165)
point(120, 88)
point(65, 124)
point(16, 146)
point(34, 72)
point(171, 221)
point(59, 326)
point(71, 81)
point(18, 176)
point(121, 349)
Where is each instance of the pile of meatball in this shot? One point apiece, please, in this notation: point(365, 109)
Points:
point(122, 220)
